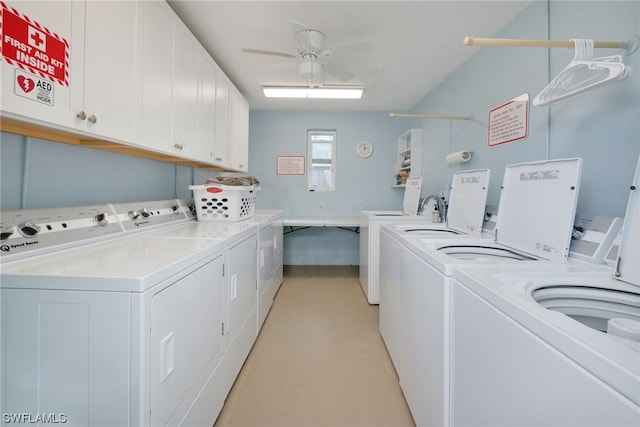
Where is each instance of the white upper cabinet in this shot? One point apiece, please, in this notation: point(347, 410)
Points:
point(25, 91)
point(133, 74)
point(186, 83)
point(101, 87)
point(207, 109)
point(221, 148)
point(157, 72)
point(110, 102)
point(239, 132)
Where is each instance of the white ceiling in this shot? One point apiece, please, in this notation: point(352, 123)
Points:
point(401, 49)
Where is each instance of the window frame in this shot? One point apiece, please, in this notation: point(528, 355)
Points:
point(311, 186)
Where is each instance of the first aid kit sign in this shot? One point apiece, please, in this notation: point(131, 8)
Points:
point(33, 48)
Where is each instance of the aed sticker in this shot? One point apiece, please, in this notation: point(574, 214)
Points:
point(32, 87)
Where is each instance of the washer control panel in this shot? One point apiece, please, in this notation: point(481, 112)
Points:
point(30, 231)
point(136, 216)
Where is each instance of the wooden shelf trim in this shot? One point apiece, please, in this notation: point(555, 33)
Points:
point(47, 133)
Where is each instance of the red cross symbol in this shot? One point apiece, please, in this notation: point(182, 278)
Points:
point(36, 39)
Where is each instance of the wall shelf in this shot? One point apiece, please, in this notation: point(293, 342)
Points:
point(409, 156)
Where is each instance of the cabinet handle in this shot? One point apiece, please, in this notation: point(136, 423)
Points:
point(81, 115)
point(178, 146)
point(92, 119)
point(218, 159)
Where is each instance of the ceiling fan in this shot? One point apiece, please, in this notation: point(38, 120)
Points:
point(315, 60)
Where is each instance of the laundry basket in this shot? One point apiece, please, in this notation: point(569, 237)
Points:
point(218, 202)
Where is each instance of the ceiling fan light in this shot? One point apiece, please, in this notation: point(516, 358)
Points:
point(311, 93)
point(285, 92)
point(326, 93)
point(310, 70)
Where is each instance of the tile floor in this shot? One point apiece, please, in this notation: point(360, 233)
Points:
point(319, 360)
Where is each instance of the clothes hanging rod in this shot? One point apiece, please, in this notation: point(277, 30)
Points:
point(429, 116)
point(470, 41)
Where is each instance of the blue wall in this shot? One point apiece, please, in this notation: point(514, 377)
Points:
point(361, 184)
point(38, 174)
point(602, 127)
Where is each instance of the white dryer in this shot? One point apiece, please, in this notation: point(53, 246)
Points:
point(253, 260)
point(552, 345)
point(122, 330)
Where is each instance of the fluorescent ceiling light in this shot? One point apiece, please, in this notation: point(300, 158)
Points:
point(311, 93)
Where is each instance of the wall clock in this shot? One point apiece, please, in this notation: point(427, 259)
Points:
point(364, 149)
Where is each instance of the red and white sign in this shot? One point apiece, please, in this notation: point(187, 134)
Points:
point(32, 47)
point(289, 165)
point(509, 122)
point(33, 87)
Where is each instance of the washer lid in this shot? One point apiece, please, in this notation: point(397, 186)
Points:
point(412, 196)
point(467, 200)
point(627, 267)
point(538, 205)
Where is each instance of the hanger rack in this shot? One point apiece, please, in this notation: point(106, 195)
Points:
point(630, 46)
point(429, 116)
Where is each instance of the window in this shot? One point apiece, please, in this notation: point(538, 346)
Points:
point(322, 166)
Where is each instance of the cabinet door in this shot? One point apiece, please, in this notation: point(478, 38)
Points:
point(157, 71)
point(239, 131)
point(112, 94)
point(207, 110)
point(67, 352)
point(26, 94)
point(186, 64)
point(221, 144)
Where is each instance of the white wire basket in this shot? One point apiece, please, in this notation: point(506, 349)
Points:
point(218, 202)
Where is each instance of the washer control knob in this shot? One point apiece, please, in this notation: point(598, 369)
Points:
point(145, 212)
point(28, 229)
point(101, 219)
point(133, 214)
point(5, 233)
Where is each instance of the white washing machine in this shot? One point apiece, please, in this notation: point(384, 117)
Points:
point(467, 201)
point(466, 215)
point(370, 222)
point(554, 345)
point(415, 329)
point(123, 330)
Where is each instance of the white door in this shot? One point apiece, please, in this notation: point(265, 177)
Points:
point(112, 91)
point(186, 335)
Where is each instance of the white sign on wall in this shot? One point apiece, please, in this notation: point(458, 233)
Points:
point(290, 165)
point(509, 122)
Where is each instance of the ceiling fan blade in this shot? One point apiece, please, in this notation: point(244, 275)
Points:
point(296, 26)
point(268, 52)
point(338, 71)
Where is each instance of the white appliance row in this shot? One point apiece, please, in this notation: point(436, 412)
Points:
point(467, 201)
point(475, 351)
point(131, 314)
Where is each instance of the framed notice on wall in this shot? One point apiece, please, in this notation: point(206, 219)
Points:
point(509, 122)
point(290, 165)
